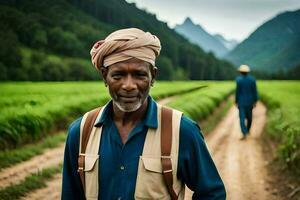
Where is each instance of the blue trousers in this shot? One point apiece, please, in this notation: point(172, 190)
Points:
point(245, 113)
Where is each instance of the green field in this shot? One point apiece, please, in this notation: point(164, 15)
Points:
point(283, 101)
point(29, 111)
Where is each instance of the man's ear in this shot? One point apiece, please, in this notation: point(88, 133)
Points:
point(153, 74)
point(104, 72)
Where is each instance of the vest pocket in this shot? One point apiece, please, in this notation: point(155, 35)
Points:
point(150, 182)
point(90, 162)
point(91, 176)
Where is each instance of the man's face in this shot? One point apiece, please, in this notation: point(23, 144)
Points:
point(129, 83)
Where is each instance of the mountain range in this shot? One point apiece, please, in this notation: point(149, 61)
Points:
point(272, 47)
point(199, 36)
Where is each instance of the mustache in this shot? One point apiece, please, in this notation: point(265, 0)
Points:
point(128, 94)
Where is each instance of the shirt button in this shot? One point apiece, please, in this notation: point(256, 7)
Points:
point(121, 168)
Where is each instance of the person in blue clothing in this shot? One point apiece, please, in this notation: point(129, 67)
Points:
point(126, 59)
point(245, 98)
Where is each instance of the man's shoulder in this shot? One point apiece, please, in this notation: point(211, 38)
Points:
point(238, 79)
point(189, 129)
point(252, 78)
point(74, 130)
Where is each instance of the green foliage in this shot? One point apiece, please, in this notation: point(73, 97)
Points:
point(30, 110)
point(282, 99)
point(32, 182)
point(204, 100)
point(49, 67)
point(273, 46)
point(68, 28)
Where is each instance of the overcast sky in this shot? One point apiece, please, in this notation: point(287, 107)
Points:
point(234, 19)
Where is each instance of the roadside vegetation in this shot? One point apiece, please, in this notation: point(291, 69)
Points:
point(200, 104)
point(32, 182)
point(282, 100)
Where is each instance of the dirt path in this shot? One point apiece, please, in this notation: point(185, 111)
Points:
point(50, 192)
point(241, 163)
point(18, 172)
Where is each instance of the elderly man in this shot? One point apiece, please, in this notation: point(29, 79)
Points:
point(134, 148)
point(245, 98)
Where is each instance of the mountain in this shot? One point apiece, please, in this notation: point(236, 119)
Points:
point(273, 46)
point(229, 44)
point(51, 40)
point(197, 35)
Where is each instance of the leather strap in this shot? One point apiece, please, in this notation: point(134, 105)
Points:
point(86, 132)
point(166, 145)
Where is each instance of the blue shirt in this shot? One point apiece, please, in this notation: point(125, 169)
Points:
point(119, 163)
point(246, 92)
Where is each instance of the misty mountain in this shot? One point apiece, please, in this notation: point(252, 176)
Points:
point(229, 44)
point(273, 46)
point(197, 35)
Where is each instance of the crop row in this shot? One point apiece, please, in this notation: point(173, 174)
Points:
point(30, 110)
point(282, 100)
point(200, 103)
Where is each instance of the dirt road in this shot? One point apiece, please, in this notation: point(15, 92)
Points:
point(241, 164)
point(18, 172)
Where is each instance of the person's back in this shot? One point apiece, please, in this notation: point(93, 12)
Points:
point(245, 98)
point(246, 93)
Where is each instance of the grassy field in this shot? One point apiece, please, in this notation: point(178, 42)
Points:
point(283, 101)
point(30, 110)
point(44, 105)
point(202, 102)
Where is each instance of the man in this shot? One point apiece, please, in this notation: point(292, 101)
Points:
point(126, 160)
point(245, 98)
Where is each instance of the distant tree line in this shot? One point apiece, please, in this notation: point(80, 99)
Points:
point(291, 74)
point(39, 39)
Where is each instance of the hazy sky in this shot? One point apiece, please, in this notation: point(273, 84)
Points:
point(234, 19)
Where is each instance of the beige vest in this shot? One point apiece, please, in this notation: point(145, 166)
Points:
point(149, 183)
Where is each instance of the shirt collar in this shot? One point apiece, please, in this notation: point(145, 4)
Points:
point(150, 118)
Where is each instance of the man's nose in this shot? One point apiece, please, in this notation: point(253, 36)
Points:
point(129, 83)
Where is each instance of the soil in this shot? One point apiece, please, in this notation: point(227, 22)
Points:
point(242, 164)
point(50, 192)
point(18, 172)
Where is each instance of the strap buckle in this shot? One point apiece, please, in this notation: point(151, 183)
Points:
point(166, 157)
point(80, 169)
point(168, 171)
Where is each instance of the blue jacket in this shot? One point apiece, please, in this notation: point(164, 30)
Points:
point(195, 166)
point(246, 92)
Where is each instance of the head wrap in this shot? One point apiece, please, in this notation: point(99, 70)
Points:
point(124, 44)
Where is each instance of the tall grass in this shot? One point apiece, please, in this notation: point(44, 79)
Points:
point(283, 101)
point(30, 110)
point(200, 103)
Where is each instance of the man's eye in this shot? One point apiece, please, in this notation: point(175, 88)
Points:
point(117, 76)
point(141, 74)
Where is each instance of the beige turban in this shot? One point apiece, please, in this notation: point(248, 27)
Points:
point(124, 44)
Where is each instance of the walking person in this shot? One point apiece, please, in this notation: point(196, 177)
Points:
point(245, 98)
point(134, 148)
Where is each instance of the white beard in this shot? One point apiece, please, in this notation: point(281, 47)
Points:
point(129, 108)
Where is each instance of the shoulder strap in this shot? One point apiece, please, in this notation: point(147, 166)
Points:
point(85, 135)
point(166, 145)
